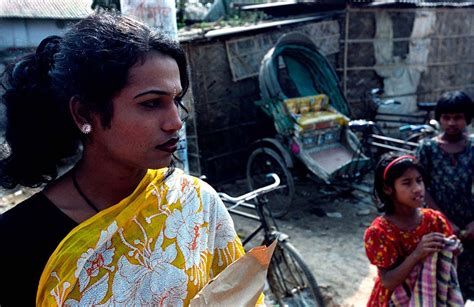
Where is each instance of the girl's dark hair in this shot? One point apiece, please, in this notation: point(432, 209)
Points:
point(90, 62)
point(383, 201)
point(454, 102)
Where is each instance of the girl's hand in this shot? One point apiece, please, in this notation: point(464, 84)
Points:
point(468, 233)
point(430, 243)
point(457, 244)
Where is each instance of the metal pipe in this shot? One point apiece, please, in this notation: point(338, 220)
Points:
point(245, 214)
point(393, 140)
point(390, 147)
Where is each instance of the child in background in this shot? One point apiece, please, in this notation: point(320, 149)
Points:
point(406, 233)
point(448, 160)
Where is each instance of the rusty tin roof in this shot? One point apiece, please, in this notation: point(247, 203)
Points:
point(57, 9)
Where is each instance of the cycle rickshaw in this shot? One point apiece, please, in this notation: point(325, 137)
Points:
point(311, 117)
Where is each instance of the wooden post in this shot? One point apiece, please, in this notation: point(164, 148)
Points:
point(346, 40)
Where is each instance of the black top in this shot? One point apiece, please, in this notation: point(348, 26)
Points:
point(29, 234)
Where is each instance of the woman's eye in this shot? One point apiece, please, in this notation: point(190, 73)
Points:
point(150, 103)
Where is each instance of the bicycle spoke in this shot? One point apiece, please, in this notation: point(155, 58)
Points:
point(290, 280)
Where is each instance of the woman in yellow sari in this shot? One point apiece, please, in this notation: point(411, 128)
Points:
point(123, 226)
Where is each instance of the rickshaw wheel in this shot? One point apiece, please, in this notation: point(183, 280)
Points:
point(261, 162)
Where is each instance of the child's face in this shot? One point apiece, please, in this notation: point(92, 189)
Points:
point(453, 123)
point(409, 189)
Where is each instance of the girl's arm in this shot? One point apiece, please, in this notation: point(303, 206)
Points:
point(392, 278)
point(430, 243)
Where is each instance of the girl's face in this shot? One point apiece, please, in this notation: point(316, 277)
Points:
point(145, 121)
point(453, 123)
point(409, 189)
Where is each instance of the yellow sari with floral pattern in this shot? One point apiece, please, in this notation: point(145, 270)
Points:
point(158, 246)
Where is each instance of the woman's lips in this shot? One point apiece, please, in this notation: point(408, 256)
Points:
point(452, 130)
point(420, 198)
point(169, 146)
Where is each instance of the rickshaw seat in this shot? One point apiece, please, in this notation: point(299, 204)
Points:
point(326, 145)
point(321, 120)
point(314, 113)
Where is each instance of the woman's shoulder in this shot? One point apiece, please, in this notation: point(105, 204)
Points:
point(429, 142)
point(192, 181)
point(431, 213)
point(201, 194)
point(377, 227)
point(380, 243)
point(426, 148)
point(34, 215)
point(23, 210)
point(436, 221)
point(435, 218)
point(382, 229)
point(189, 185)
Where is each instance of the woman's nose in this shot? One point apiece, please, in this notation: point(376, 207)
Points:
point(419, 187)
point(172, 120)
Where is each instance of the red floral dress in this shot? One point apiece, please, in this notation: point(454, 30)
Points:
point(387, 245)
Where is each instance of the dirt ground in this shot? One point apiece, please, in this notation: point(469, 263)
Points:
point(328, 229)
point(325, 228)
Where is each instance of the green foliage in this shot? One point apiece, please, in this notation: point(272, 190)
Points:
point(241, 18)
point(234, 19)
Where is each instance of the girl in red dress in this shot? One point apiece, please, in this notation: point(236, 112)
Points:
point(405, 233)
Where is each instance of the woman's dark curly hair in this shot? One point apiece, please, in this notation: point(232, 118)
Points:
point(454, 102)
point(384, 201)
point(90, 62)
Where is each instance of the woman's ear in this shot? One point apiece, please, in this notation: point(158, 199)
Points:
point(80, 115)
point(387, 190)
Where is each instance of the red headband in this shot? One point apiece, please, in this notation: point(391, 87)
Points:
point(396, 161)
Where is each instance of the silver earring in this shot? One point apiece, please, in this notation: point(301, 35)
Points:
point(86, 128)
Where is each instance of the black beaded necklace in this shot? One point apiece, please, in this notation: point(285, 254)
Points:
point(74, 181)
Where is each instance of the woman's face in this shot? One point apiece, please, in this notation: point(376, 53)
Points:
point(453, 123)
point(144, 128)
